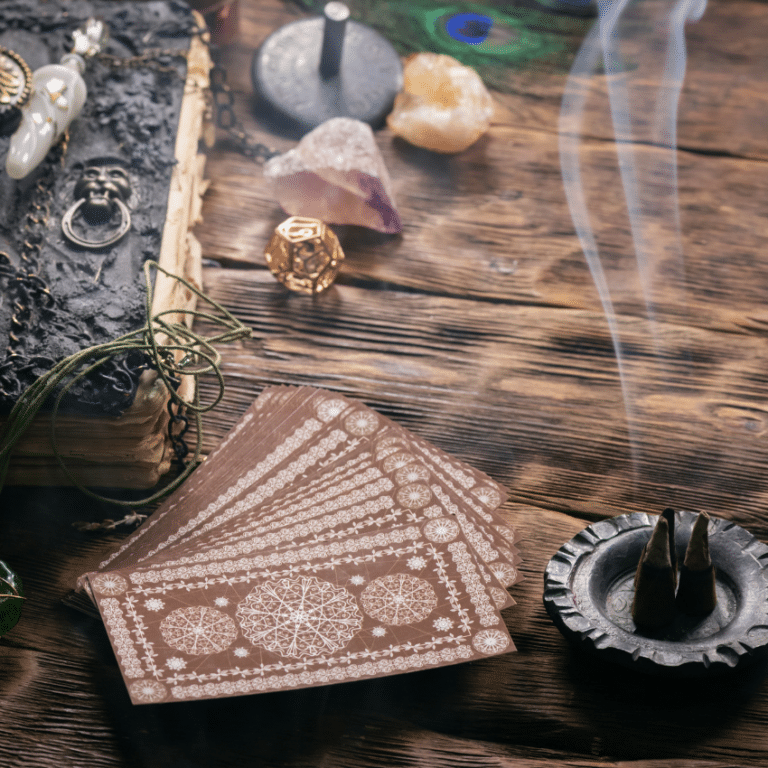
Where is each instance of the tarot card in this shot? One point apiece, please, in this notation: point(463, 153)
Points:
point(387, 603)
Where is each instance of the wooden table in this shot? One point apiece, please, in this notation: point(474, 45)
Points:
point(478, 328)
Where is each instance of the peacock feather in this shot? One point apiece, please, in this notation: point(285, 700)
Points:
point(491, 37)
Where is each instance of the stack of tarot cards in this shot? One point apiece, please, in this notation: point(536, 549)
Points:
point(318, 543)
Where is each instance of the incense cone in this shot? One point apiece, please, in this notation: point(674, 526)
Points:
point(654, 603)
point(669, 515)
point(697, 594)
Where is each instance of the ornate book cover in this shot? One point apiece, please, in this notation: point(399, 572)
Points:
point(66, 282)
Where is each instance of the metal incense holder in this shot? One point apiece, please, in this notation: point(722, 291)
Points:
point(312, 70)
point(589, 588)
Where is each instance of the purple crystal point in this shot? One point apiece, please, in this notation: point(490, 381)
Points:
point(336, 174)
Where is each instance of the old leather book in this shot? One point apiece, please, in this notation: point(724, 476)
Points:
point(144, 116)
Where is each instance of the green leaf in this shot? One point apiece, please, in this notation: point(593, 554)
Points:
point(11, 598)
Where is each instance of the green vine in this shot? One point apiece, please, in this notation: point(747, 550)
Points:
point(199, 357)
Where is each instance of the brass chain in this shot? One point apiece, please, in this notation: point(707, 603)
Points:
point(26, 288)
point(222, 95)
point(226, 119)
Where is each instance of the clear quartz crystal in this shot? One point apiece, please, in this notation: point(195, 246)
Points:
point(336, 174)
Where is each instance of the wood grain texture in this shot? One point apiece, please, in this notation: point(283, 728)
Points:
point(479, 329)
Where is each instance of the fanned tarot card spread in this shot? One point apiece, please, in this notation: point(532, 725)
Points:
point(320, 542)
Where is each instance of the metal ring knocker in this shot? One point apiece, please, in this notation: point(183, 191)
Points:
point(100, 191)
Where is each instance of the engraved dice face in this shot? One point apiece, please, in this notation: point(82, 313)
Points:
point(304, 255)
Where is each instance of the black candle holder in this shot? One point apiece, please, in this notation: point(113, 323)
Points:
point(588, 592)
point(312, 70)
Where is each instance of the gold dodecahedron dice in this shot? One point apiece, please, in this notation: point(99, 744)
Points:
point(304, 255)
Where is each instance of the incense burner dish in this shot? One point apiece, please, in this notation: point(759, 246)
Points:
point(588, 592)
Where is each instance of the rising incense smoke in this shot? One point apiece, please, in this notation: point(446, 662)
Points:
point(641, 46)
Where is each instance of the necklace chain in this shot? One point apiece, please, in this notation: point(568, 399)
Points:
point(222, 95)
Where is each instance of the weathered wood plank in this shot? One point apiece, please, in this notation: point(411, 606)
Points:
point(528, 394)
point(502, 229)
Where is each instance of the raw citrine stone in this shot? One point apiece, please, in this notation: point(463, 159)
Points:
point(444, 105)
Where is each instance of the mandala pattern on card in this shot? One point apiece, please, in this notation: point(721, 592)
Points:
point(108, 584)
point(399, 599)
point(198, 630)
point(336, 546)
point(361, 424)
point(412, 473)
point(488, 496)
point(470, 531)
point(490, 641)
point(389, 440)
point(299, 617)
point(506, 532)
point(148, 692)
point(397, 461)
point(505, 573)
point(328, 410)
point(441, 529)
point(414, 496)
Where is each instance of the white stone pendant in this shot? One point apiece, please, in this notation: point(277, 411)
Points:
point(58, 95)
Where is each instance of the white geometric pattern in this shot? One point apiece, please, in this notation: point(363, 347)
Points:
point(330, 409)
point(414, 496)
point(148, 692)
point(505, 573)
point(506, 532)
point(490, 641)
point(299, 617)
point(441, 529)
point(499, 596)
point(385, 442)
point(412, 473)
point(397, 460)
point(382, 453)
point(198, 630)
point(361, 423)
point(399, 599)
point(488, 496)
point(109, 584)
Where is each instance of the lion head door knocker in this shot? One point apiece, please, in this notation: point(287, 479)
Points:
point(101, 194)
